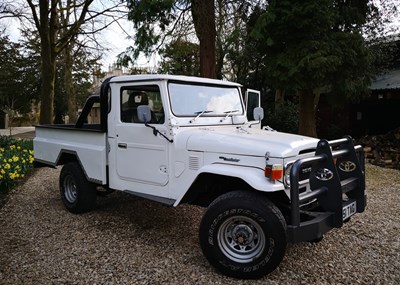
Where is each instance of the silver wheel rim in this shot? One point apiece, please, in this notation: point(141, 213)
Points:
point(70, 191)
point(241, 239)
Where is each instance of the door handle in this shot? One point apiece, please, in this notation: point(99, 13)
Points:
point(122, 145)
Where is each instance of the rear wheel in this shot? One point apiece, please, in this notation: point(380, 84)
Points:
point(77, 193)
point(243, 235)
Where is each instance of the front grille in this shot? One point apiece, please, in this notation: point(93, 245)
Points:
point(304, 173)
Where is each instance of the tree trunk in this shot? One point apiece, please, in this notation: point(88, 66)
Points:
point(307, 121)
point(69, 86)
point(219, 59)
point(279, 96)
point(48, 75)
point(46, 28)
point(220, 53)
point(204, 23)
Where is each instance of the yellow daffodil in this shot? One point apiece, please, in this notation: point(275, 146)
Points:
point(15, 163)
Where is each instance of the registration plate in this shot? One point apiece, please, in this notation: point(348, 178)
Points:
point(349, 210)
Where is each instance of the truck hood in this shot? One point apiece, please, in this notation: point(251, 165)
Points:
point(247, 141)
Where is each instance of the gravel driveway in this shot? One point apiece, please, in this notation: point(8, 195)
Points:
point(133, 241)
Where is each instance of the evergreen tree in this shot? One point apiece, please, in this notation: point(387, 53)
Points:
point(312, 46)
point(19, 79)
point(180, 57)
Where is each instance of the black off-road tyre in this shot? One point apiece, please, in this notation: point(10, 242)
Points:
point(77, 193)
point(243, 235)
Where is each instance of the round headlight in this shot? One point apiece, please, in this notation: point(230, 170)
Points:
point(286, 177)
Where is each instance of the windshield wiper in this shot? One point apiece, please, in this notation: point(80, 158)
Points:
point(228, 113)
point(199, 114)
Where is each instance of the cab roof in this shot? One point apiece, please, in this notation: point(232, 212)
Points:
point(167, 77)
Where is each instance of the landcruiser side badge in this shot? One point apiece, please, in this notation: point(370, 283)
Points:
point(229, 159)
point(324, 174)
point(347, 166)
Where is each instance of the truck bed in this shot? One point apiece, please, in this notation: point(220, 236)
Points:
point(54, 143)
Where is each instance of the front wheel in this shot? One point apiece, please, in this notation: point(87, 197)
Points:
point(243, 235)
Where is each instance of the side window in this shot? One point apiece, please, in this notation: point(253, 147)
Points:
point(134, 96)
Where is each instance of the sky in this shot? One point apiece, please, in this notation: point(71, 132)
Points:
point(117, 41)
point(114, 38)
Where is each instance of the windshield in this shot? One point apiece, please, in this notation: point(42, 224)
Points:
point(189, 100)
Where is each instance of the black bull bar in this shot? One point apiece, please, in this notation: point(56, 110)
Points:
point(336, 169)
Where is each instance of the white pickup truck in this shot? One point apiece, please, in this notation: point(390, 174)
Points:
point(177, 139)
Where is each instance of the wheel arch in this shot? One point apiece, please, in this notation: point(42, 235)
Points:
point(67, 156)
point(208, 186)
point(216, 180)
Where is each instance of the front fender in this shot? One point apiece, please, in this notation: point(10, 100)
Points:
point(251, 175)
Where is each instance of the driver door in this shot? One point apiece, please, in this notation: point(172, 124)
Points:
point(141, 157)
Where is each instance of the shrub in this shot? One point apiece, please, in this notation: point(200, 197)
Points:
point(16, 159)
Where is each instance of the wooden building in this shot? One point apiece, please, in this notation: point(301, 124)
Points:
point(378, 114)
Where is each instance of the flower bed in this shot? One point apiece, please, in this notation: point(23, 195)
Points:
point(16, 159)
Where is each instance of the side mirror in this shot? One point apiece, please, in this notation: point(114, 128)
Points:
point(258, 113)
point(144, 114)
